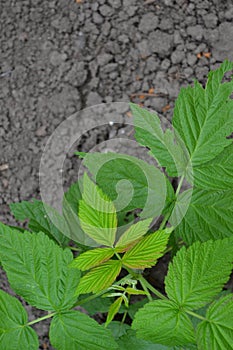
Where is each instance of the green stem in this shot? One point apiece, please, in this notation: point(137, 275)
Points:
point(145, 289)
point(75, 249)
point(195, 315)
point(42, 318)
point(165, 219)
point(91, 297)
point(124, 317)
point(180, 185)
point(142, 280)
point(118, 256)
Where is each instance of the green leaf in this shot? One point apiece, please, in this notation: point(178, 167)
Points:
point(97, 214)
point(128, 181)
point(92, 258)
point(209, 215)
point(163, 322)
point(197, 274)
point(203, 117)
point(133, 291)
point(72, 330)
point(216, 332)
point(80, 154)
point(100, 277)
point(217, 173)
point(164, 146)
point(135, 232)
point(97, 305)
point(118, 328)
point(37, 269)
point(70, 207)
point(39, 215)
point(113, 310)
point(133, 308)
point(129, 341)
point(14, 332)
point(146, 252)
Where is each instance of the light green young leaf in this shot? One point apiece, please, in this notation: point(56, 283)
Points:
point(14, 332)
point(163, 322)
point(133, 291)
point(203, 117)
point(216, 174)
point(37, 269)
point(164, 146)
point(39, 220)
point(128, 181)
point(92, 258)
point(217, 331)
point(209, 216)
point(113, 310)
point(72, 330)
point(100, 277)
point(97, 214)
point(197, 274)
point(70, 207)
point(135, 232)
point(146, 252)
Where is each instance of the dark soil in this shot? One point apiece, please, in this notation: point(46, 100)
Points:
point(61, 56)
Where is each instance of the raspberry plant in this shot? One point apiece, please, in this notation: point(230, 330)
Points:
point(194, 312)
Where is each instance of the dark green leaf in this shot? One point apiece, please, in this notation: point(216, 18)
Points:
point(216, 332)
point(39, 215)
point(14, 332)
point(73, 330)
point(37, 269)
point(203, 117)
point(197, 274)
point(209, 215)
point(164, 146)
point(163, 322)
point(128, 181)
point(216, 174)
point(118, 328)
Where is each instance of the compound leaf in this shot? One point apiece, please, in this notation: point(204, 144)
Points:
point(135, 232)
point(14, 332)
point(161, 321)
point(92, 258)
point(209, 216)
point(216, 332)
point(37, 269)
point(39, 215)
point(100, 277)
point(97, 214)
point(72, 330)
point(203, 117)
point(197, 274)
point(147, 251)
